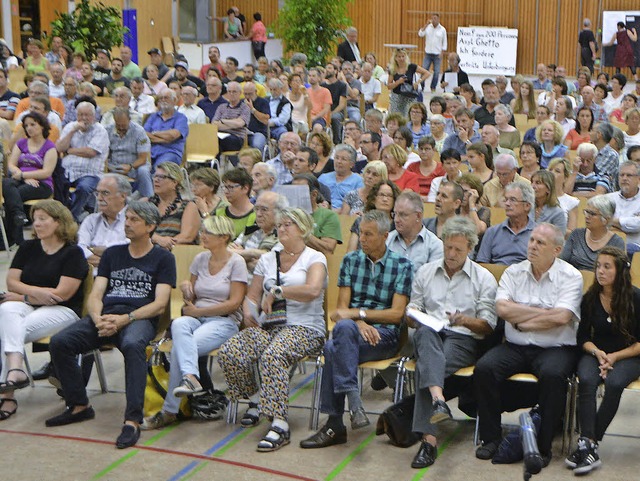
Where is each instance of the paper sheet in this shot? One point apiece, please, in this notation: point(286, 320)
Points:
point(452, 79)
point(427, 320)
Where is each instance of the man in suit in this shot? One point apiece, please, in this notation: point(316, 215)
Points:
point(349, 49)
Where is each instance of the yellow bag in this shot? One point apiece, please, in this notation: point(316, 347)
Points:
point(158, 382)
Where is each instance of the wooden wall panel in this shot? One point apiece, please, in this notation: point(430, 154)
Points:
point(267, 8)
point(154, 22)
point(47, 13)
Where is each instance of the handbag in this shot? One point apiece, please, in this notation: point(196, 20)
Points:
point(397, 421)
point(278, 315)
point(407, 90)
point(158, 367)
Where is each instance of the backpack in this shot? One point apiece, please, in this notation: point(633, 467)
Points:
point(396, 422)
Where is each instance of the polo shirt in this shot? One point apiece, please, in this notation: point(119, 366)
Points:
point(177, 121)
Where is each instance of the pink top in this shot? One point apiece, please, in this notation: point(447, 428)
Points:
point(259, 32)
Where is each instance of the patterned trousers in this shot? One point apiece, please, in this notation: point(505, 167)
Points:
point(275, 350)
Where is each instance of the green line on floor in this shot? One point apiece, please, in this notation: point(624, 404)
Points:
point(441, 449)
point(338, 469)
point(129, 455)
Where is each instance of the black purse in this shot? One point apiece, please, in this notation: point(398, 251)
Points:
point(278, 315)
point(397, 422)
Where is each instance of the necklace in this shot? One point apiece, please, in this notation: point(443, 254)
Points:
point(595, 240)
point(292, 254)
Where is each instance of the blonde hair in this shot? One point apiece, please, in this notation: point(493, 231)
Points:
point(377, 166)
point(255, 154)
point(67, 229)
point(300, 218)
point(174, 172)
point(558, 131)
point(397, 153)
point(567, 169)
point(393, 64)
point(219, 225)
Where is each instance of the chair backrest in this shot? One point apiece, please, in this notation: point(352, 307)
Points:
point(202, 140)
point(635, 269)
point(495, 269)
point(184, 255)
point(87, 285)
point(587, 279)
point(498, 215)
point(429, 210)
point(105, 103)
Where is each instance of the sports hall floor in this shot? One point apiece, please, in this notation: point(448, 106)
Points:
point(217, 451)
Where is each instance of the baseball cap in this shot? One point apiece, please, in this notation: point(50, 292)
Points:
point(102, 50)
point(184, 65)
point(154, 50)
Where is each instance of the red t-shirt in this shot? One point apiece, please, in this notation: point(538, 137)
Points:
point(409, 180)
point(424, 182)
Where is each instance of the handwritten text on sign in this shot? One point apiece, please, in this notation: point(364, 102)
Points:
point(486, 50)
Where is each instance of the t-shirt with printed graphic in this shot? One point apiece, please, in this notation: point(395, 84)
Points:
point(132, 282)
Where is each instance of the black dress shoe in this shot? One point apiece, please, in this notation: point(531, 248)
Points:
point(43, 373)
point(68, 417)
point(378, 383)
point(128, 437)
point(440, 412)
point(426, 456)
point(325, 437)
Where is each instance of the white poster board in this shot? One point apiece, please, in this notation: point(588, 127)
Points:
point(488, 50)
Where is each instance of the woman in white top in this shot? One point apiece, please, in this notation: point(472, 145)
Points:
point(211, 314)
point(297, 275)
point(301, 104)
point(563, 114)
point(632, 119)
point(153, 85)
point(451, 161)
point(561, 169)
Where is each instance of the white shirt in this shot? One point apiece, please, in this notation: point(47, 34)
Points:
point(471, 290)
point(370, 88)
point(96, 231)
point(559, 287)
point(435, 39)
point(143, 105)
point(194, 114)
point(52, 117)
point(568, 203)
point(56, 90)
point(612, 103)
point(628, 214)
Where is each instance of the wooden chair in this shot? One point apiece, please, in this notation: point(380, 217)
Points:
point(105, 103)
point(184, 255)
point(201, 146)
point(635, 269)
point(521, 121)
point(498, 215)
point(429, 210)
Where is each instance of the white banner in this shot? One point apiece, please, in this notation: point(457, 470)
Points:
point(487, 50)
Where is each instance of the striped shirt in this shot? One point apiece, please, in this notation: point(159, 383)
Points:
point(226, 111)
point(96, 138)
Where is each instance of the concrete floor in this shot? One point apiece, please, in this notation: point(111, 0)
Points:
point(215, 450)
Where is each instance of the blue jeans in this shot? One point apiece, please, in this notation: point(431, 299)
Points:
point(166, 157)
point(258, 140)
point(83, 196)
point(342, 354)
point(81, 337)
point(429, 59)
point(193, 338)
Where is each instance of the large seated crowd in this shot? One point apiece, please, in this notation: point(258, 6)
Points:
point(415, 200)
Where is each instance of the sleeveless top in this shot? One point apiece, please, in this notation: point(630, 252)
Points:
point(171, 222)
point(30, 161)
point(298, 110)
point(32, 68)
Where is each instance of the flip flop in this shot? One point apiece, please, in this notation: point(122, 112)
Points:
point(4, 414)
point(10, 385)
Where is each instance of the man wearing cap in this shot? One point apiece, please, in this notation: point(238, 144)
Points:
point(180, 74)
point(130, 69)
point(116, 79)
point(102, 68)
point(155, 55)
point(214, 57)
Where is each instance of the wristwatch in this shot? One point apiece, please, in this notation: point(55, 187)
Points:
point(132, 318)
point(276, 291)
point(362, 314)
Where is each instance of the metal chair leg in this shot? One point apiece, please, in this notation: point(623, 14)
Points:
point(102, 377)
point(314, 415)
point(27, 368)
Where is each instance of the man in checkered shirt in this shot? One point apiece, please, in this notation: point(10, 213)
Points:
point(375, 285)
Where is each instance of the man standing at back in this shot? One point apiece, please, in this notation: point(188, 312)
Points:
point(435, 43)
point(349, 50)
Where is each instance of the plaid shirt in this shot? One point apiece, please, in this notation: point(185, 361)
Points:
point(608, 164)
point(125, 150)
point(373, 284)
point(95, 137)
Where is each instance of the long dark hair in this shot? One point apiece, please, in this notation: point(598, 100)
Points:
point(622, 312)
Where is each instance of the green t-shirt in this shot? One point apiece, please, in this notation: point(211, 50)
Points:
point(131, 71)
point(240, 223)
point(327, 224)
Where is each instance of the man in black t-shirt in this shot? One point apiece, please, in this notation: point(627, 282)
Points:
point(131, 290)
point(587, 44)
point(339, 93)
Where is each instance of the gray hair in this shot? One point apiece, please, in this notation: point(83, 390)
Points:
point(298, 58)
point(558, 236)
point(117, 111)
point(40, 85)
point(269, 170)
point(122, 183)
point(124, 90)
point(351, 30)
point(438, 118)
point(190, 89)
point(380, 218)
point(172, 94)
point(630, 163)
point(501, 79)
point(605, 129)
point(618, 136)
point(586, 22)
point(300, 218)
point(587, 148)
point(505, 109)
point(146, 210)
point(505, 160)
point(348, 149)
point(460, 226)
point(604, 204)
point(280, 202)
point(414, 199)
point(374, 113)
point(86, 104)
point(528, 196)
point(275, 83)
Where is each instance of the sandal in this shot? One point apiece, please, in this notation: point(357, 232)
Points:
point(4, 414)
point(250, 420)
point(10, 385)
point(268, 444)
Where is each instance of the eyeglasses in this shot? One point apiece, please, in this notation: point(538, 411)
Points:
point(511, 200)
point(228, 187)
point(103, 193)
point(284, 225)
point(160, 177)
